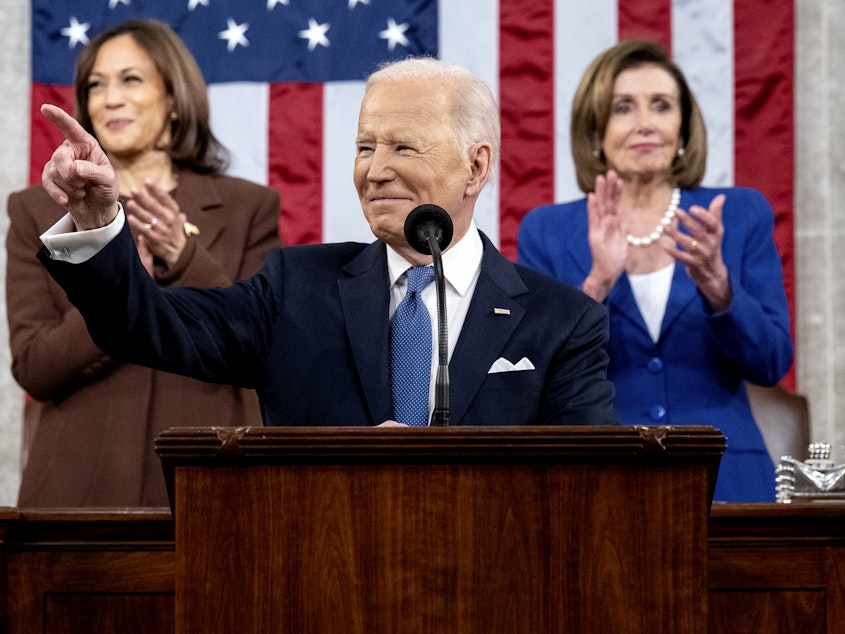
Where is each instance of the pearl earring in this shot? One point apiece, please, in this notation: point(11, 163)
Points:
point(680, 151)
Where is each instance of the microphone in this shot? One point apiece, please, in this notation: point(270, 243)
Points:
point(428, 229)
point(428, 221)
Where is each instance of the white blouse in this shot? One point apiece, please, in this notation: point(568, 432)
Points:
point(651, 290)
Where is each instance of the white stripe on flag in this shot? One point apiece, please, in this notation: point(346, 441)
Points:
point(343, 219)
point(469, 37)
point(579, 36)
point(239, 115)
point(702, 42)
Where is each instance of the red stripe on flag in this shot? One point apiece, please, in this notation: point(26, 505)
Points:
point(526, 89)
point(295, 162)
point(764, 124)
point(646, 20)
point(44, 137)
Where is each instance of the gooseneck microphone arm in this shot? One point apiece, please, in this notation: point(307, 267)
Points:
point(440, 415)
point(428, 229)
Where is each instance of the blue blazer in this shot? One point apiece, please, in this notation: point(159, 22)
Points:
point(310, 333)
point(695, 374)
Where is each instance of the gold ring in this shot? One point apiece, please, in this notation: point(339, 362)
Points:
point(693, 245)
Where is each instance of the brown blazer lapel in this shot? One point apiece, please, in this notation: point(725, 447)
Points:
point(199, 198)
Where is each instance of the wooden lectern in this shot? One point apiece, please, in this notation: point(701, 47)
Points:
point(464, 530)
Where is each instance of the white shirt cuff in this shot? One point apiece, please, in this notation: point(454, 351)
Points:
point(67, 245)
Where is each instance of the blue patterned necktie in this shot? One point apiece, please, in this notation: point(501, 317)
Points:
point(410, 351)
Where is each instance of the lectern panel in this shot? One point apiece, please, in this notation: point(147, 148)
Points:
point(468, 540)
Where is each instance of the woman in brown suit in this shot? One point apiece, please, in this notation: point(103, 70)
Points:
point(140, 93)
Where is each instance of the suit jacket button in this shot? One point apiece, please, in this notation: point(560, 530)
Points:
point(655, 365)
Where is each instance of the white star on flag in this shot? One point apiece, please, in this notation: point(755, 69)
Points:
point(315, 34)
point(114, 3)
point(395, 34)
point(273, 3)
point(76, 32)
point(193, 4)
point(234, 34)
point(354, 3)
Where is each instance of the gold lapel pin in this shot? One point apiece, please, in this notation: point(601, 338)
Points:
point(191, 229)
point(501, 311)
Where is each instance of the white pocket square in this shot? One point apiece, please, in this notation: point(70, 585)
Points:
point(503, 365)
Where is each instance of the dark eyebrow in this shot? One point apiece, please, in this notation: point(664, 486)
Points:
point(659, 95)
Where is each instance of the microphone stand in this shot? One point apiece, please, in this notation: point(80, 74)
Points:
point(428, 229)
point(440, 415)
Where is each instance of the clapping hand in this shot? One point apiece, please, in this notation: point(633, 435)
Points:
point(701, 251)
point(607, 236)
point(157, 222)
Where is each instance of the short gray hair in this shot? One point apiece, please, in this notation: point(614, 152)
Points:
point(476, 114)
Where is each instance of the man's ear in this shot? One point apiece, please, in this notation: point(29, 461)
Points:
point(481, 166)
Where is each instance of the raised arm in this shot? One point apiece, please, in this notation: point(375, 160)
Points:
point(79, 176)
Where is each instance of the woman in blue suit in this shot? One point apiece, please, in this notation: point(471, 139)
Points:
point(690, 275)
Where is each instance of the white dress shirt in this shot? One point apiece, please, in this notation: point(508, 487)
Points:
point(68, 245)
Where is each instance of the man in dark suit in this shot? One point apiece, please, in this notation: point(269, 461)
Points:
point(311, 331)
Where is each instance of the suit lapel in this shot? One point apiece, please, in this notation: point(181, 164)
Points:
point(622, 302)
point(365, 301)
point(683, 291)
point(681, 294)
point(198, 195)
point(486, 330)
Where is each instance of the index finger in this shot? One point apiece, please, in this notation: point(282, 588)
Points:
point(68, 126)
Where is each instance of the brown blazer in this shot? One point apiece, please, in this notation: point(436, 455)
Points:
point(92, 444)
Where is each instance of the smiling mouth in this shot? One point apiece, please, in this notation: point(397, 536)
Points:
point(117, 124)
point(388, 199)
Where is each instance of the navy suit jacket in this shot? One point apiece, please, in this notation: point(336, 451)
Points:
point(310, 333)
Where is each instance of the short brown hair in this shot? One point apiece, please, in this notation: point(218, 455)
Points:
point(193, 146)
point(591, 108)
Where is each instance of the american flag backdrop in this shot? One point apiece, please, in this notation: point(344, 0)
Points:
point(286, 79)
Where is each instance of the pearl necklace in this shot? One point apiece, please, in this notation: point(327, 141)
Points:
point(667, 218)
